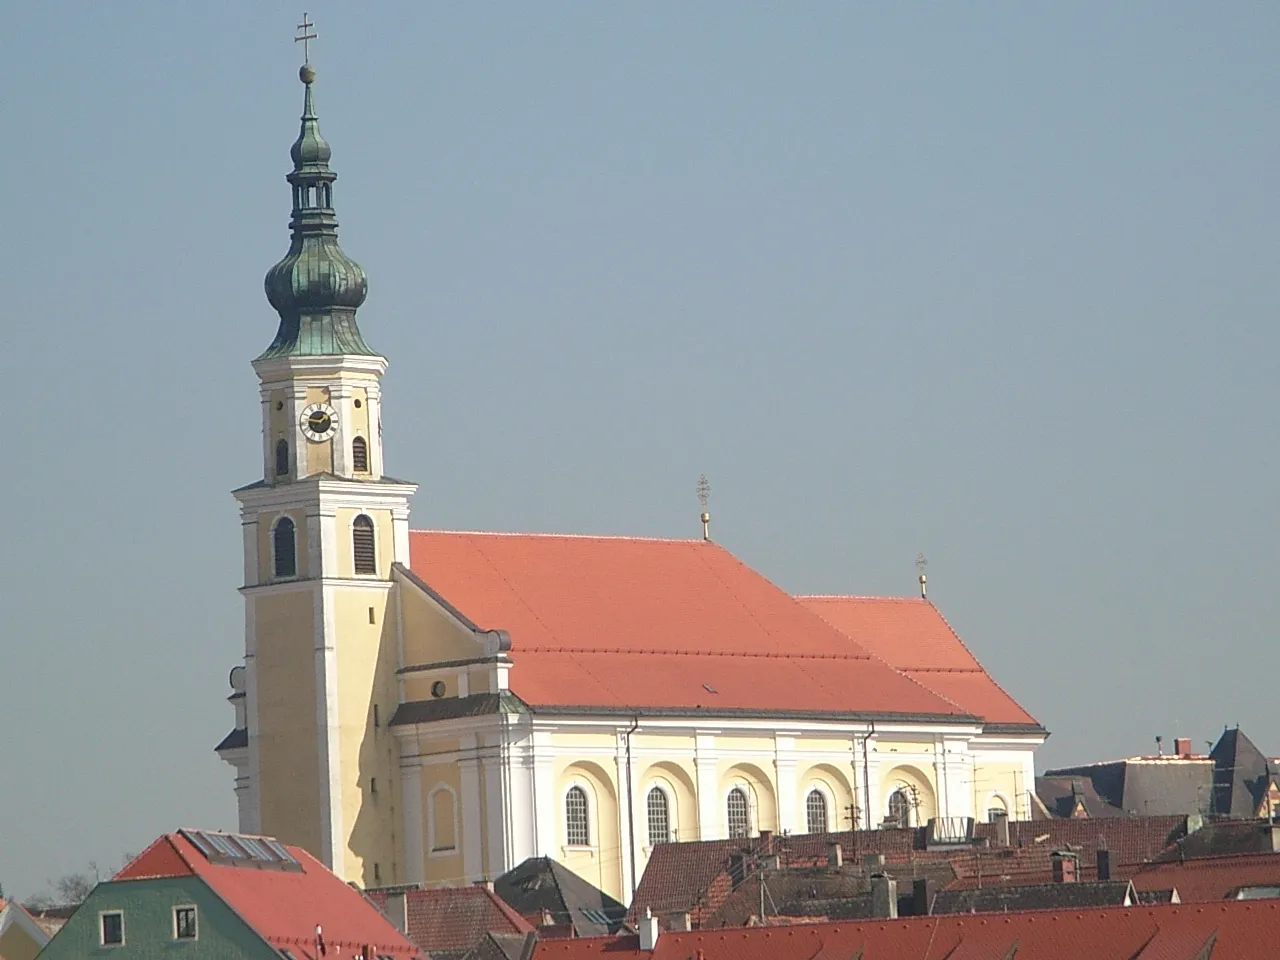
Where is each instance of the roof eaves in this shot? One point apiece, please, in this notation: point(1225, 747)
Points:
point(966, 719)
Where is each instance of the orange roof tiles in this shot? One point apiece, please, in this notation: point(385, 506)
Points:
point(912, 636)
point(1202, 879)
point(625, 623)
point(1165, 932)
point(284, 907)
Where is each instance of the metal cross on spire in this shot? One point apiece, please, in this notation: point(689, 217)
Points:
point(305, 35)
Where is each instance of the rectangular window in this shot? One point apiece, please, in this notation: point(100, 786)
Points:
point(112, 928)
point(184, 923)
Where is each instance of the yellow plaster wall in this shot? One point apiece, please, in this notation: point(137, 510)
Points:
point(288, 747)
point(1004, 779)
point(904, 746)
point(679, 778)
point(443, 868)
point(366, 675)
point(478, 679)
point(384, 541)
point(430, 634)
point(762, 745)
point(804, 745)
point(906, 776)
point(266, 570)
point(601, 862)
point(662, 741)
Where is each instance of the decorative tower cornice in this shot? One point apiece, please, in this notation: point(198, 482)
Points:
point(316, 288)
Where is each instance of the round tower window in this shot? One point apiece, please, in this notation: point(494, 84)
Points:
point(358, 404)
point(437, 689)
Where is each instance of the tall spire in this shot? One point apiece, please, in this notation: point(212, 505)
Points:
point(316, 288)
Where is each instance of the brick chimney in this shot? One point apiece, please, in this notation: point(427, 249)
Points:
point(679, 922)
point(1002, 831)
point(397, 910)
point(884, 897)
point(766, 840)
point(921, 896)
point(835, 855)
point(648, 931)
point(1182, 747)
point(1066, 867)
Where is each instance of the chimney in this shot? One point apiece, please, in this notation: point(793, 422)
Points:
point(1065, 866)
point(1275, 838)
point(921, 896)
point(1104, 864)
point(398, 910)
point(771, 863)
point(648, 931)
point(766, 840)
point(1002, 831)
point(835, 855)
point(884, 897)
point(872, 862)
point(1182, 747)
point(679, 922)
point(547, 919)
point(486, 884)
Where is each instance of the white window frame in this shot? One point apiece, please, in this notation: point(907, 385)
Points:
point(828, 797)
point(663, 788)
point(750, 794)
point(593, 828)
point(297, 564)
point(102, 933)
point(195, 915)
point(432, 849)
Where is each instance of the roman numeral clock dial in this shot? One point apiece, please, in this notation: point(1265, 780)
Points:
point(319, 422)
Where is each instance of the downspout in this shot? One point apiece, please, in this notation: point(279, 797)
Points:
point(631, 808)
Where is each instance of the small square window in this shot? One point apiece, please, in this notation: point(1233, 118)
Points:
point(184, 923)
point(112, 928)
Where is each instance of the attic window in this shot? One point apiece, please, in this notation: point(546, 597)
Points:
point(112, 928)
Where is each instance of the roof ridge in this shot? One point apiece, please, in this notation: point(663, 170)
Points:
point(783, 655)
point(568, 536)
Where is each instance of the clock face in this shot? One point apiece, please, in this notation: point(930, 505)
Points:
point(319, 422)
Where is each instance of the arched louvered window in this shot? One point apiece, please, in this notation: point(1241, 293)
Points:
point(284, 546)
point(282, 457)
point(815, 809)
point(659, 810)
point(739, 819)
point(576, 833)
point(359, 455)
point(900, 808)
point(362, 545)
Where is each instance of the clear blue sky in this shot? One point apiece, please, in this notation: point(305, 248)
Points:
point(992, 281)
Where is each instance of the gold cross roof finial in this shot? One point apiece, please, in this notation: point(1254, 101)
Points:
point(305, 35)
point(921, 563)
point(704, 494)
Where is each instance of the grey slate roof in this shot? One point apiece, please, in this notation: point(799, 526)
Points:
point(1040, 896)
point(1148, 787)
point(541, 884)
point(1241, 776)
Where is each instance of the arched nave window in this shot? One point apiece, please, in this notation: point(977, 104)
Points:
point(284, 548)
point(282, 457)
point(900, 808)
point(659, 811)
point(575, 818)
point(739, 818)
point(362, 545)
point(815, 810)
point(359, 455)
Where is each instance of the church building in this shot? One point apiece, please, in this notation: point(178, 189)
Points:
point(430, 706)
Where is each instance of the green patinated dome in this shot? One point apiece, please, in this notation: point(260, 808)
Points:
point(316, 288)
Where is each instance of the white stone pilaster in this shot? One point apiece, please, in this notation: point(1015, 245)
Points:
point(705, 760)
point(544, 795)
point(472, 809)
point(251, 810)
point(415, 852)
point(332, 829)
point(785, 772)
point(496, 801)
point(627, 790)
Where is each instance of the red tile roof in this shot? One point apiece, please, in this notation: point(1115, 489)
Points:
point(912, 636)
point(446, 920)
point(1205, 879)
point(1232, 929)
point(624, 623)
point(284, 907)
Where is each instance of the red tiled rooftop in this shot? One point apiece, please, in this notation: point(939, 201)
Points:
point(1231, 929)
point(1205, 879)
point(282, 906)
point(454, 919)
point(617, 622)
point(911, 635)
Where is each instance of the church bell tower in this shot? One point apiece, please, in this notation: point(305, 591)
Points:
point(322, 528)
